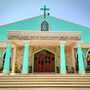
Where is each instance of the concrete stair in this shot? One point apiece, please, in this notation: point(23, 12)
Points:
point(45, 80)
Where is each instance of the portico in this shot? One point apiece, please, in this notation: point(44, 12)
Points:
point(38, 53)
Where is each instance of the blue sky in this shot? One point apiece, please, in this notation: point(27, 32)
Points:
point(77, 11)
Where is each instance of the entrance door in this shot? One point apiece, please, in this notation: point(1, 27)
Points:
point(44, 61)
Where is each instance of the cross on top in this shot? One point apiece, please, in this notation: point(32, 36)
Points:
point(44, 9)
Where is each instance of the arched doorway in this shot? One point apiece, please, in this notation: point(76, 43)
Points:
point(44, 61)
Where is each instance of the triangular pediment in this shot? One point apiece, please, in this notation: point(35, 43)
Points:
point(55, 25)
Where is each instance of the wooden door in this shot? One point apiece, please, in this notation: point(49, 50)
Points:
point(44, 61)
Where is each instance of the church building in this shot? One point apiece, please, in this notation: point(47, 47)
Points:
point(44, 45)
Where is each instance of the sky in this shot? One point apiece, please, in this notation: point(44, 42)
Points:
point(76, 11)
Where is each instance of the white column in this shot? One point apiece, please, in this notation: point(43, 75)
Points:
point(13, 60)
point(73, 59)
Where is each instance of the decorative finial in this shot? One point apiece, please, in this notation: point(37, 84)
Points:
point(44, 9)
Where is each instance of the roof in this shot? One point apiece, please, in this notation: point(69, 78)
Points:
point(55, 25)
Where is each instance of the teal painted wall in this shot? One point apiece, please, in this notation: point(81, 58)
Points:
point(56, 25)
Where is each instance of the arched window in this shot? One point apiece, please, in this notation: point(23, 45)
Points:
point(44, 26)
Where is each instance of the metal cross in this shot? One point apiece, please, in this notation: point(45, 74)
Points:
point(44, 9)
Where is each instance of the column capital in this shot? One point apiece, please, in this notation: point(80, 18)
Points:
point(78, 46)
point(9, 45)
point(79, 43)
point(26, 44)
point(62, 43)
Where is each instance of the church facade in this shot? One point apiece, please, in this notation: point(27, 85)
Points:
point(44, 45)
point(44, 52)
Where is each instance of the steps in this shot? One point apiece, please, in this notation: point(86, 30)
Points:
point(45, 80)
